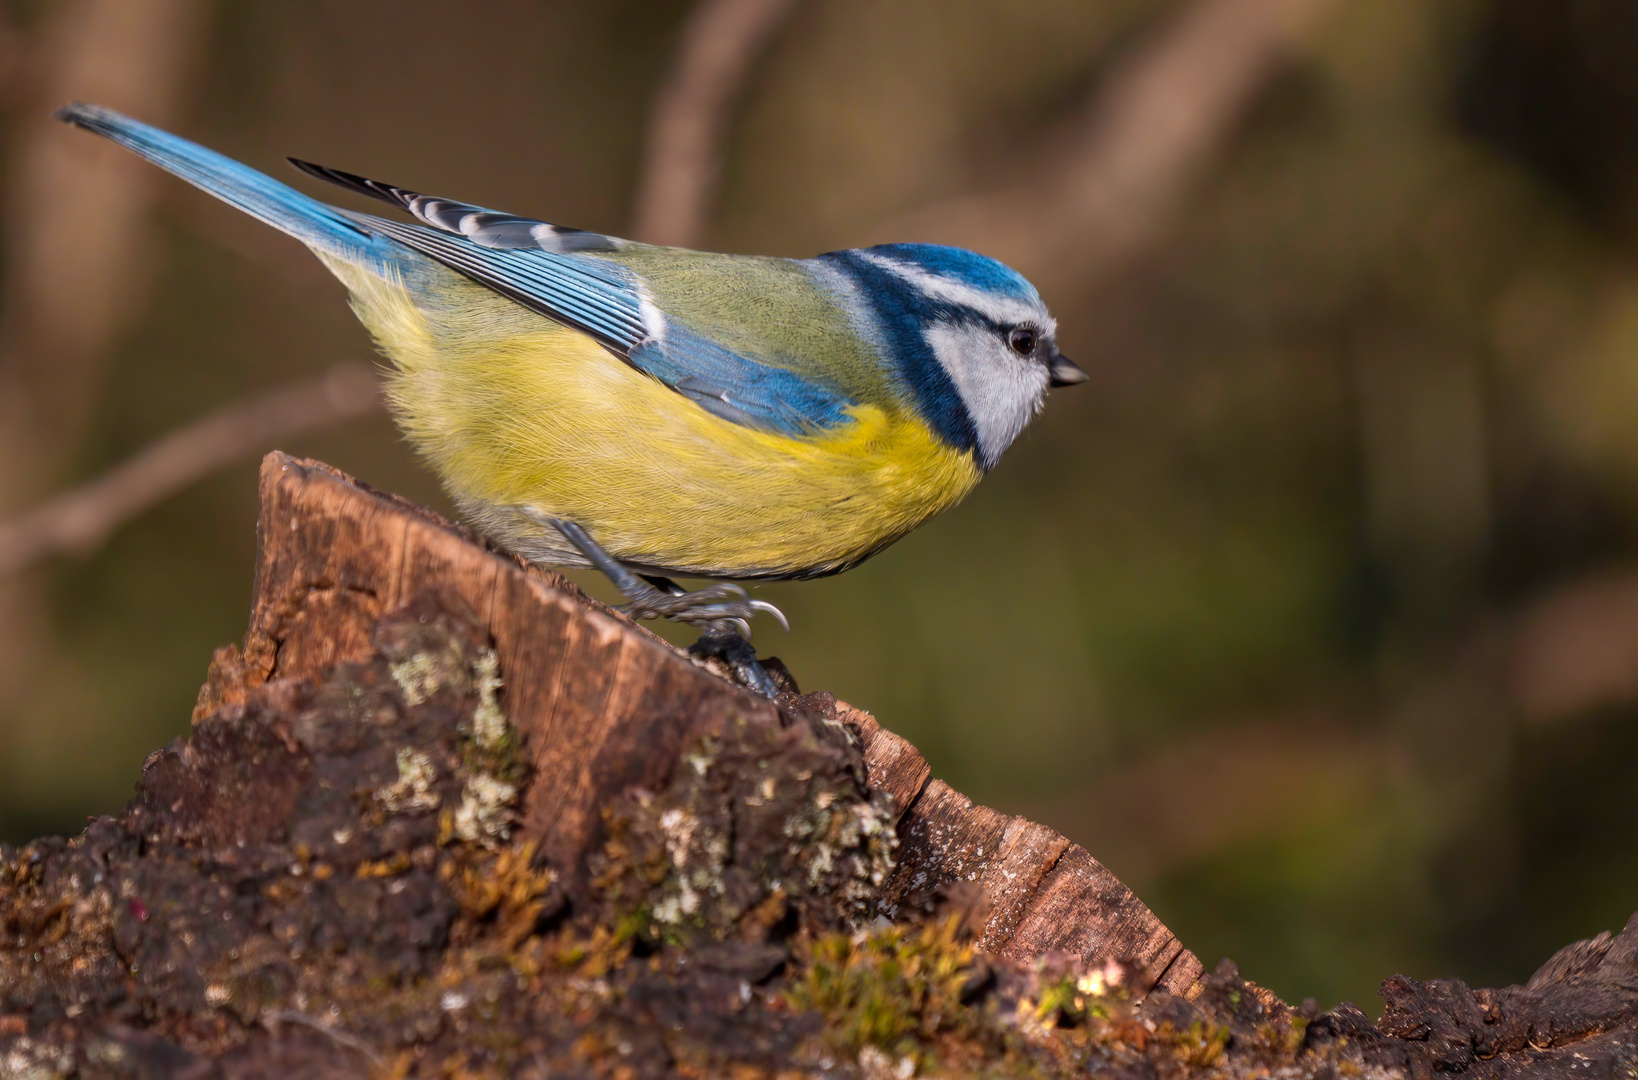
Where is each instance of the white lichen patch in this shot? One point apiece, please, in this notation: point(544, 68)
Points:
point(847, 836)
point(418, 676)
point(750, 820)
point(876, 1065)
point(699, 853)
point(485, 814)
point(488, 722)
point(100, 1051)
point(27, 1059)
point(412, 792)
point(677, 827)
point(674, 909)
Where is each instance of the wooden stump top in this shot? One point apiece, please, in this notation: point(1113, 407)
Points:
point(604, 705)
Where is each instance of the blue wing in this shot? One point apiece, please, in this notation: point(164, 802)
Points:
point(723, 382)
point(551, 270)
point(590, 295)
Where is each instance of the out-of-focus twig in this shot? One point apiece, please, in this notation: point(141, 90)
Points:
point(79, 520)
point(14, 63)
point(1562, 657)
point(1224, 786)
point(76, 234)
point(1576, 649)
point(683, 153)
point(76, 244)
point(1152, 126)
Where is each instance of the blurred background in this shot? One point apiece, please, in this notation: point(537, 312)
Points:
point(1314, 614)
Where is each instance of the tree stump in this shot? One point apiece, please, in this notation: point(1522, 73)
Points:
point(443, 815)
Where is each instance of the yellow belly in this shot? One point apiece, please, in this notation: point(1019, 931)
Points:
point(513, 409)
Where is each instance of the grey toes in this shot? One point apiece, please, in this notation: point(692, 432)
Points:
point(721, 608)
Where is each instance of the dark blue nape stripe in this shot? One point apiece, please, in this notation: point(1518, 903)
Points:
point(902, 312)
point(967, 267)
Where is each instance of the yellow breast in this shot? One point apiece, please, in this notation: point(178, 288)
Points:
point(512, 408)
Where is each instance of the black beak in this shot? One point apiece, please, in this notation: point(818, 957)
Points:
point(1064, 371)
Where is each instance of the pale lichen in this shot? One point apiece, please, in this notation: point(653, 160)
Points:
point(677, 826)
point(856, 835)
point(701, 760)
point(412, 792)
point(489, 725)
point(27, 1059)
point(424, 662)
point(485, 814)
point(488, 769)
point(875, 1065)
point(418, 677)
point(698, 853)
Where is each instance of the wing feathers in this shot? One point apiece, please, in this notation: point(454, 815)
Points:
point(598, 298)
point(541, 266)
point(553, 271)
point(487, 228)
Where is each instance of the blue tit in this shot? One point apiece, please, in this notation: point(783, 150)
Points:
point(652, 411)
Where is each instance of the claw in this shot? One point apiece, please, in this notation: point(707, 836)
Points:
point(717, 610)
point(722, 605)
point(714, 608)
point(763, 605)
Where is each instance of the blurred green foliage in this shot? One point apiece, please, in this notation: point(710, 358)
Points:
point(1238, 614)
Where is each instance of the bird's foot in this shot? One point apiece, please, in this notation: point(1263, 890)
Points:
point(717, 609)
point(722, 611)
point(740, 658)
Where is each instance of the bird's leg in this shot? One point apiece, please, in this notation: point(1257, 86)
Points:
point(718, 608)
point(740, 655)
point(722, 611)
point(731, 648)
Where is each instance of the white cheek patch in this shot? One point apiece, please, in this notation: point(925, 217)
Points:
point(1001, 390)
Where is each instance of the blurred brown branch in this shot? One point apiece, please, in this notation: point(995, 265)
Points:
point(1576, 649)
point(683, 154)
point(1149, 131)
point(76, 224)
point(1562, 657)
point(76, 245)
point(79, 520)
point(14, 62)
point(1225, 786)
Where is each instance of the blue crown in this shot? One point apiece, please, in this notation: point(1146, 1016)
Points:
point(967, 267)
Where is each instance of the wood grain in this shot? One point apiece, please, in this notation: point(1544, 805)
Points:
point(603, 705)
point(1045, 893)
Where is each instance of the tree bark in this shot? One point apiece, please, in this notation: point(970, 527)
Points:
point(442, 814)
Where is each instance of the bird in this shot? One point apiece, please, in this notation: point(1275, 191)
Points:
point(657, 412)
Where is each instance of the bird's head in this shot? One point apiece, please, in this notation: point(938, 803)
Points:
point(969, 335)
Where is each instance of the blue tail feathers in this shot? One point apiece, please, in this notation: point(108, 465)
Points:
point(316, 224)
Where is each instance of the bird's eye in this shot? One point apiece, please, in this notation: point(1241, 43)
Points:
point(1022, 341)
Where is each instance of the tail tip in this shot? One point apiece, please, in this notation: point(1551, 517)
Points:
point(77, 113)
